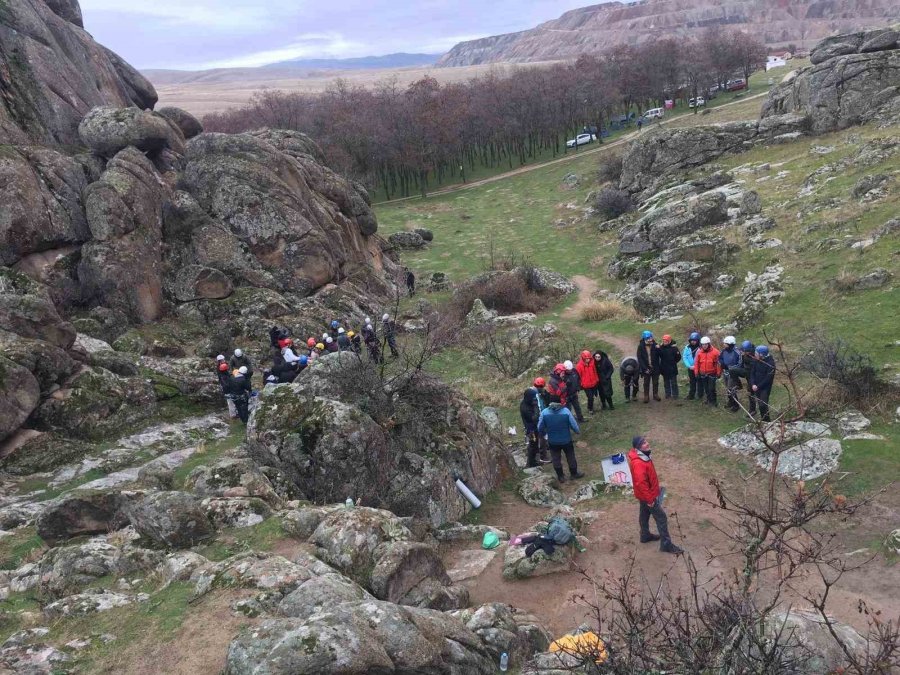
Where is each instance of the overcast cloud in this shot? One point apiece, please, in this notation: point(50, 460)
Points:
point(194, 34)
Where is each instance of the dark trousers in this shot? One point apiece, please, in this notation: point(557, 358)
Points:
point(662, 523)
point(536, 443)
point(692, 386)
point(707, 387)
point(573, 404)
point(411, 288)
point(631, 386)
point(591, 393)
point(653, 379)
point(732, 383)
point(556, 452)
point(761, 398)
point(242, 404)
point(670, 385)
point(392, 343)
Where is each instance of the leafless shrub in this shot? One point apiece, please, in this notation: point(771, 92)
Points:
point(612, 203)
point(610, 169)
point(836, 360)
point(511, 352)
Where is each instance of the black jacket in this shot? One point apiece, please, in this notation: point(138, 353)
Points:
point(343, 342)
point(573, 382)
point(762, 373)
point(530, 408)
point(239, 387)
point(648, 361)
point(669, 358)
point(605, 368)
point(237, 361)
point(628, 369)
point(389, 327)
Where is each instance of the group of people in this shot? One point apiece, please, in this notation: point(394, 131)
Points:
point(705, 365)
point(289, 359)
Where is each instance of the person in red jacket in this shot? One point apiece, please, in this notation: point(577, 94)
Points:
point(707, 369)
point(647, 492)
point(590, 379)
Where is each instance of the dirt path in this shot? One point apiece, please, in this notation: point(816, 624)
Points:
point(576, 155)
point(587, 288)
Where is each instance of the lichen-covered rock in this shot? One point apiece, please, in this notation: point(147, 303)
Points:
point(29, 451)
point(319, 594)
point(107, 130)
point(91, 601)
point(20, 394)
point(516, 565)
point(505, 629)
point(182, 566)
point(852, 422)
point(27, 310)
point(539, 490)
point(196, 282)
point(412, 573)
point(228, 474)
point(170, 519)
point(807, 460)
point(235, 511)
point(658, 227)
point(301, 523)
point(70, 568)
point(48, 363)
point(83, 512)
point(188, 124)
point(361, 638)
point(427, 235)
point(760, 291)
point(406, 239)
point(460, 532)
point(874, 279)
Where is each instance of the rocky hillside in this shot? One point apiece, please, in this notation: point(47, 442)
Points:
point(594, 29)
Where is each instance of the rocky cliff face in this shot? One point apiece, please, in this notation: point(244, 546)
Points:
point(596, 28)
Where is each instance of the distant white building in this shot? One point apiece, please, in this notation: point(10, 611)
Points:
point(774, 61)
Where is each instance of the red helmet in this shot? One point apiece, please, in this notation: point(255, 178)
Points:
point(223, 367)
point(539, 382)
point(585, 354)
point(284, 342)
point(311, 343)
point(667, 338)
point(559, 368)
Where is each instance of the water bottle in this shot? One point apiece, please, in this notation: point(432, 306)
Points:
point(504, 662)
point(349, 503)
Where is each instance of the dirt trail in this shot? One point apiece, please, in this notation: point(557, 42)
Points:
point(576, 155)
point(587, 288)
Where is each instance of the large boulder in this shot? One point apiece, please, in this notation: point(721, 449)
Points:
point(107, 130)
point(404, 239)
point(853, 76)
point(82, 512)
point(195, 282)
point(20, 394)
point(188, 124)
point(170, 519)
point(29, 451)
point(120, 267)
point(48, 363)
point(358, 638)
point(27, 310)
point(657, 229)
point(505, 629)
point(335, 433)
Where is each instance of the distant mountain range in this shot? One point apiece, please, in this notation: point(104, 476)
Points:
point(399, 60)
point(595, 28)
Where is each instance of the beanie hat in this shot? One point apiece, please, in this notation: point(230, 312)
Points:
point(637, 442)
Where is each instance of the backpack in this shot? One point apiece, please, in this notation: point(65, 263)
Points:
point(560, 531)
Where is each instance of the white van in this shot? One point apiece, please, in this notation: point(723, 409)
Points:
point(653, 112)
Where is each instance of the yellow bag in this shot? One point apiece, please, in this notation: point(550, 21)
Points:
point(584, 645)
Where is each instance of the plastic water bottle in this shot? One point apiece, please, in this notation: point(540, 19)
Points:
point(504, 662)
point(349, 503)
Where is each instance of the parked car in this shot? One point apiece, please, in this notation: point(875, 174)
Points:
point(736, 85)
point(653, 112)
point(581, 139)
point(698, 103)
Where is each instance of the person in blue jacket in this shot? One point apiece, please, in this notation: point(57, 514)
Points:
point(730, 357)
point(558, 423)
point(687, 358)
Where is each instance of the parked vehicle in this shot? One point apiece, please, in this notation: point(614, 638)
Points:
point(654, 112)
point(736, 85)
point(700, 101)
point(581, 139)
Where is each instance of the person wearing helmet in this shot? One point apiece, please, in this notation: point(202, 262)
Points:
point(390, 334)
point(630, 374)
point(669, 356)
point(330, 345)
point(371, 340)
point(588, 377)
point(573, 386)
point(687, 358)
point(556, 386)
point(239, 360)
point(343, 341)
point(223, 375)
point(762, 377)
point(239, 390)
point(708, 370)
point(333, 329)
point(355, 342)
point(530, 409)
point(605, 370)
point(648, 365)
point(558, 423)
point(730, 358)
point(748, 353)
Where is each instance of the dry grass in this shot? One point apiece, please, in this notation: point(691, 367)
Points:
point(846, 281)
point(608, 310)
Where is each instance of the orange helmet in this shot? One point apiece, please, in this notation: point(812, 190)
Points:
point(539, 382)
point(667, 338)
point(311, 343)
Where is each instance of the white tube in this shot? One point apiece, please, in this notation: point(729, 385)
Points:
point(467, 493)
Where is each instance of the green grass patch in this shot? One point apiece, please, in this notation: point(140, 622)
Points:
point(15, 548)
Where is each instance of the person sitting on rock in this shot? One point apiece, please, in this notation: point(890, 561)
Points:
point(605, 371)
point(648, 493)
point(343, 341)
point(629, 373)
point(687, 358)
point(239, 389)
point(762, 377)
point(390, 334)
point(648, 365)
point(558, 423)
point(241, 360)
point(669, 356)
point(708, 370)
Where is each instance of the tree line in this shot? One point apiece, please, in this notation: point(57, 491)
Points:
point(401, 140)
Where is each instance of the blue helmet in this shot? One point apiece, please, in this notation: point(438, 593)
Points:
point(747, 346)
point(335, 324)
point(646, 335)
point(304, 359)
point(694, 336)
point(762, 350)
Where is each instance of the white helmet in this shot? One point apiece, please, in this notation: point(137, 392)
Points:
point(242, 370)
point(271, 378)
point(385, 317)
point(220, 357)
point(367, 320)
point(368, 326)
point(340, 331)
point(239, 352)
point(704, 340)
point(324, 336)
point(568, 364)
point(329, 340)
point(730, 340)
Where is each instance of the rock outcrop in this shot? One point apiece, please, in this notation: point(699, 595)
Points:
point(853, 77)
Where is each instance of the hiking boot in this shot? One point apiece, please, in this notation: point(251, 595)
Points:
point(671, 548)
point(577, 475)
point(656, 398)
point(561, 478)
point(545, 460)
point(647, 538)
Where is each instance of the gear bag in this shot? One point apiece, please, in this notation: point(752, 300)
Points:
point(560, 531)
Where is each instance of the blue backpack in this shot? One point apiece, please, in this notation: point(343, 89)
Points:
point(560, 531)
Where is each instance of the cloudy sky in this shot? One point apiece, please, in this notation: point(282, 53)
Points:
point(193, 34)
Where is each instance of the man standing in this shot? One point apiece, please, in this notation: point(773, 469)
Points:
point(390, 332)
point(371, 340)
point(343, 341)
point(605, 370)
point(629, 374)
point(239, 390)
point(730, 358)
point(669, 356)
point(573, 386)
point(410, 281)
point(708, 369)
point(530, 409)
point(223, 373)
point(589, 378)
point(556, 387)
point(648, 364)
point(687, 358)
point(240, 360)
point(647, 492)
point(558, 423)
point(762, 377)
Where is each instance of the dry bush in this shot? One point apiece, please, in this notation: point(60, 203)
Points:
point(612, 203)
point(610, 169)
point(606, 310)
point(855, 373)
point(846, 281)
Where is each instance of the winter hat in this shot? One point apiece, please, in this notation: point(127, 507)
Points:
point(220, 357)
point(637, 442)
